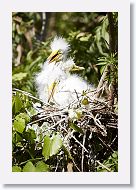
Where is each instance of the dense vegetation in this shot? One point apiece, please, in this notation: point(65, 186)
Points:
point(94, 45)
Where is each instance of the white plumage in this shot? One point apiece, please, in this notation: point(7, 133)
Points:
point(55, 83)
point(70, 90)
point(59, 43)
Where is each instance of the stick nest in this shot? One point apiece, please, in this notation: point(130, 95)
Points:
point(89, 133)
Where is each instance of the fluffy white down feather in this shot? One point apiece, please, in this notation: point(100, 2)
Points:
point(68, 85)
point(59, 43)
point(46, 78)
point(70, 90)
point(67, 88)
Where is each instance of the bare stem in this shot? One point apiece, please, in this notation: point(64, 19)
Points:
point(103, 166)
point(82, 161)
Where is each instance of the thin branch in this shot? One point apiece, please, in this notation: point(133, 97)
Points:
point(33, 159)
point(82, 161)
point(26, 93)
point(109, 170)
point(31, 96)
point(76, 165)
point(106, 145)
point(58, 161)
point(79, 143)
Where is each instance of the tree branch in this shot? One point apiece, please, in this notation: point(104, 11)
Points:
point(112, 44)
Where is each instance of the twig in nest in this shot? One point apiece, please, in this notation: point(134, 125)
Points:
point(98, 123)
point(82, 161)
point(79, 143)
point(77, 97)
point(50, 128)
point(105, 144)
point(58, 161)
point(56, 124)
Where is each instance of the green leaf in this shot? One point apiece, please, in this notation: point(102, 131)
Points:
point(42, 167)
point(18, 103)
point(39, 59)
point(19, 76)
point(67, 152)
point(56, 144)
point(102, 63)
point(84, 39)
point(115, 154)
point(29, 56)
point(16, 169)
point(25, 116)
point(33, 111)
point(19, 124)
point(111, 163)
point(102, 69)
point(30, 135)
point(18, 137)
point(19, 144)
point(75, 127)
point(46, 147)
point(51, 146)
point(29, 167)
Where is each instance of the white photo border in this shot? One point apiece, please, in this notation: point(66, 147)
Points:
point(6, 174)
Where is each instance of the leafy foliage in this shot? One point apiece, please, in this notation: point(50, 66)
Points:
point(51, 146)
point(111, 164)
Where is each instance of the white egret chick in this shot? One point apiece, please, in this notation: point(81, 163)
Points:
point(55, 83)
point(71, 87)
point(51, 73)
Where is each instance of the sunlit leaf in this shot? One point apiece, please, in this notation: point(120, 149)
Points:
point(19, 76)
point(102, 69)
point(25, 116)
point(51, 145)
point(16, 169)
point(46, 147)
point(18, 103)
point(101, 63)
point(84, 39)
point(29, 56)
point(19, 124)
point(29, 167)
point(56, 144)
point(42, 167)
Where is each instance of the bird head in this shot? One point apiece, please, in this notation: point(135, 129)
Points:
point(70, 66)
point(55, 56)
point(59, 48)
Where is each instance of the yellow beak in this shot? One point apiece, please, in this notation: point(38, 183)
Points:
point(54, 56)
point(51, 90)
point(77, 68)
